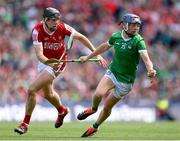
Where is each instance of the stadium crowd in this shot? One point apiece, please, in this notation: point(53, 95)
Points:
point(97, 19)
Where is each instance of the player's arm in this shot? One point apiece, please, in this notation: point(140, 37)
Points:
point(80, 37)
point(85, 41)
point(145, 57)
point(149, 65)
point(39, 53)
point(37, 44)
point(38, 47)
point(100, 49)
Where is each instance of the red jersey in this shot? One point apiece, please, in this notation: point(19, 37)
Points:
point(53, 44)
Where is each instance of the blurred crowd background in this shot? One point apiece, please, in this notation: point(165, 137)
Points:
point(97, 19)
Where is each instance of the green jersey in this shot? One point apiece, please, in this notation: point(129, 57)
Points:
point(126, 56)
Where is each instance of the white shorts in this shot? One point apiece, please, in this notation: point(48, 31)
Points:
point(42, 67)
point(121, 89)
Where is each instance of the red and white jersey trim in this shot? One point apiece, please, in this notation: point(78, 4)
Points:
point(35, 37)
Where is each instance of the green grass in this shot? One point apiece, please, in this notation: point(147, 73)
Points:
point(107, 131)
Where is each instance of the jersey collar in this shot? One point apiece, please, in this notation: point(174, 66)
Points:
point(125, 39)
point(46, 30)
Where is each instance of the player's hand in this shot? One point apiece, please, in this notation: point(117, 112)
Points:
point(102, 61)
point(84, 58)
point(55, 66)
point(151, 73)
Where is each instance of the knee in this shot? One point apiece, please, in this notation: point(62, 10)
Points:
point(99, 94)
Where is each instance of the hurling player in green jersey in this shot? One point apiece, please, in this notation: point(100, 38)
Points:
point(128, 47)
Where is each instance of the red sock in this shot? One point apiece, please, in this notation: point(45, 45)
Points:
point(61, 109)
point(27, 119)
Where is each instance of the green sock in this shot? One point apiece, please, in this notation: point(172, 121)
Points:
point(94, 108)
point(96, 125)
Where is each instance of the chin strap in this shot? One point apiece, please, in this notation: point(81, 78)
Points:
point(48, 26)
point(126, 29)
point(129, 35)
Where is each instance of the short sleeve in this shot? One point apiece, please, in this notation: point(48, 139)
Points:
point(35, 35)
point(69, 30)
point(141, 46)
point(111, 40)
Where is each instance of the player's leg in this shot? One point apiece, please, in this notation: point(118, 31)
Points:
point(110, 101)
point(104, 114)
point(54, 99)
point(51, 95)
point(103, 87)
point(120, 90)
point(37, 84)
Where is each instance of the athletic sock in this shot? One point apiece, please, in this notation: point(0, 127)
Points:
point(61, 109)
point(94, 108)
point(95, 125)
point(27, 119)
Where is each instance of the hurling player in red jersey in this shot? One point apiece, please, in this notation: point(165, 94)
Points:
point(48, 41)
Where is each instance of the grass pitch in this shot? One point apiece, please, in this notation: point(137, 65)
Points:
point(108, 131)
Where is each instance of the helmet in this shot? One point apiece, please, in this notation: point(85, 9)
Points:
point(51, 13)
point(128, 19)
point(131, 18)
